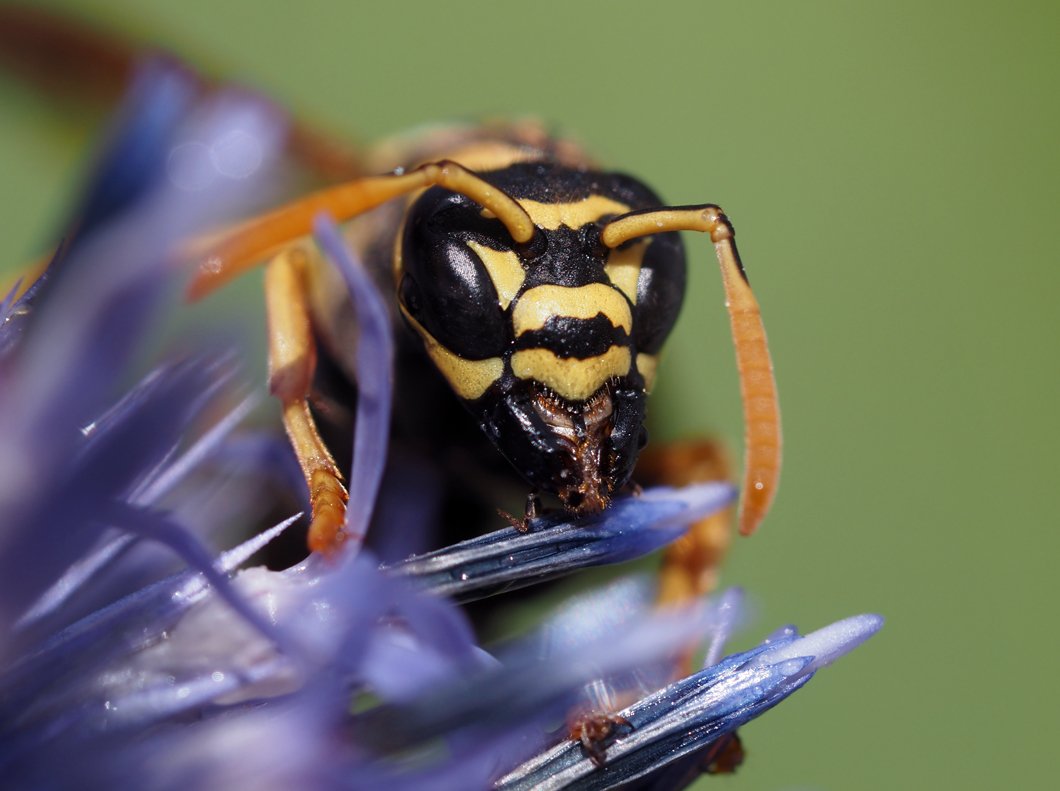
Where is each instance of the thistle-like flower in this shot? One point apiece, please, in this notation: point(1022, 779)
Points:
point(134, 652)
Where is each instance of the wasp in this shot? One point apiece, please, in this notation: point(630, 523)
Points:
point(538, 287)
point(541, 290)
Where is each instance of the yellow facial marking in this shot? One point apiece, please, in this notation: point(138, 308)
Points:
point(551, 216)
point(646, 364)
point(468, 378)
point(536, 306)
point(623, 268)
point(504, 270)
point(574, 215)
point(572, 379)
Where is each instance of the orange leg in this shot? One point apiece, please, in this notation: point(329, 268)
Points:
point(690, 565)
point(292, 353)
point(292, 360)
point(597, 732)
point(725, 756)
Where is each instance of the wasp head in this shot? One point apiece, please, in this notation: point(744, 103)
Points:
point(551, 344)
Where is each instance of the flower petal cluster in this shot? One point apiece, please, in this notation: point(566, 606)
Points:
point(134, 652)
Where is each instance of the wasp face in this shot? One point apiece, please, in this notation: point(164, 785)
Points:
point(583, 451)
point(552, 345)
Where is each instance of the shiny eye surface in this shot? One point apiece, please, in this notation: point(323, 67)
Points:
point(660, 292)
point(445, 285)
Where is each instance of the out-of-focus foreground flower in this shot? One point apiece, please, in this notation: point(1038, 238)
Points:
point(134, 653)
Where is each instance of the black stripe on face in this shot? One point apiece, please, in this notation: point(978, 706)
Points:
point(575, 338)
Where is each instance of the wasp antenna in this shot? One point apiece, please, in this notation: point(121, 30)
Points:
point(757, 385)
point(457, 178)
point(253, 241)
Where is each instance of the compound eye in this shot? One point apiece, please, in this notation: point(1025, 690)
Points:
point(660, 291)
point(446, 288)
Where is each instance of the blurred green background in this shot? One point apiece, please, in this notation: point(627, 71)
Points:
point(892, 173)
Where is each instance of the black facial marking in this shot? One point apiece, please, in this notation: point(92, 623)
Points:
point(578, 338)
point(568, 261)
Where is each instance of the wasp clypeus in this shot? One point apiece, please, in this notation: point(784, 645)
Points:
point(535, 288)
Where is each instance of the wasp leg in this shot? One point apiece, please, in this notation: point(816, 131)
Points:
point(531, 512)
point(690, 564)
point(292, 360)
point(725, 756)
point(597, 732)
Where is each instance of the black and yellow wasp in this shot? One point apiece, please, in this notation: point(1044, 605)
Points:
point(539, 288)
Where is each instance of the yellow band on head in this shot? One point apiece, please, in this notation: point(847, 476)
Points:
point(536, 306)
point(504, 270)
point(573, 379)
point(646, 365)
point(572, 215)
point(623, 268)
point(468, 378)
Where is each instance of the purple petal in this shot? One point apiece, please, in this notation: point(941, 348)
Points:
point(730, 609)
point(374, 361)
point(507, 559)
point(826, 645)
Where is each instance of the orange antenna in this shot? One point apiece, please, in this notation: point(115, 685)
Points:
point(253, 241)
point(758, 388)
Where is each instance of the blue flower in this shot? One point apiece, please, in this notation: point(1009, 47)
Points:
point(119, 667)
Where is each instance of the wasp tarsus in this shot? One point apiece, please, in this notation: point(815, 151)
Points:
point(597, 732)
